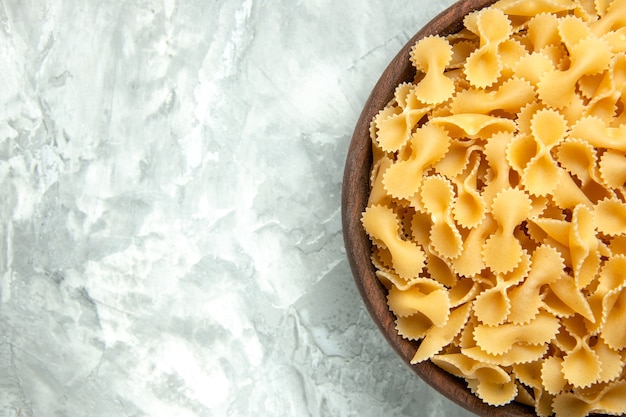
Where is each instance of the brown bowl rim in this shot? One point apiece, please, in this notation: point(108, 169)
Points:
point(355, 192)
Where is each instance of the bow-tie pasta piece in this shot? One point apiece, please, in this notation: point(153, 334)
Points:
point(484, 66)
point(509, 97)
point(502, 251)
point(492, 383)
point(426, 296)
point(610, 285)
point(552, 377)
point(464, 291)
point(473, 125)
point(589, 56)
point(614, 18)
point(378, 194)
point(394, 124)
point(596, 132)
point(493, 305)
point(381, 223)
point(532, 67)
point(431, 56)
point(457, 158)
point(461, 49)
point(518, 353)
point(499, 171)
point(564, 299)
point(581, 366)
point(534, 7)
point(610, 216)
point(437, 197)
point(572, 30)
point(540, 175)
point(428, 145)
point(581, 160)
point(470, 262)
point(611, 168)
point(584, 247)
point(543, 31)
point(439, 337)
point(526, 299)
point(469, 206)
point(436, 267)
point(610, 400)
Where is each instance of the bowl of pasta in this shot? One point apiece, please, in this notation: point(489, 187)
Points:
point(483, 206)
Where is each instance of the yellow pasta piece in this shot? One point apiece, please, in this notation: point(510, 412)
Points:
point(552, 377)
point(381, 223)
point(529, 374)
point(428, 145)
point(483, 66)
point(543, 31)
point(611, 168)
point(493, 383)
point(610, 361)
point(610, 216)
point(470, 262)
point(509, 97)
point(540, 175)
point(611, 400)
point(613, 329)
point(568, 193)
point(532, 67)
point(546, 267)
point(534, 7)
point(589, 56)
point(456, 159)
point(519, 353)
point(497, 340)
point(564, 299)
point(425, 296)
point(464, 291)
point(614, 18)
point(431, 55)
point(584, 247)
point(378, 194)
point(439, 337)
point(493, 305)
point(499, 169)
point(501, 251)
point(599, 135)
point(473, 125)
point(581, 366)
point(394, 127)
point(581, 160)
point(572, 30)
point(437, 197)
point(469, 207)
point(610, 285)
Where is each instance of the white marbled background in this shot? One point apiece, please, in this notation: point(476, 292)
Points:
point(170, 180)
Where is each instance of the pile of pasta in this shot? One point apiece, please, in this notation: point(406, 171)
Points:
point(497, 210)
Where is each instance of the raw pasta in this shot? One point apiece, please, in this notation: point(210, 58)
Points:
point(497, 211)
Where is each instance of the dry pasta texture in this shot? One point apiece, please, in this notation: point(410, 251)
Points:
point(497, 211)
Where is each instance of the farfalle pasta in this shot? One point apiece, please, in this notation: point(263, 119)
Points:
point(497, 211)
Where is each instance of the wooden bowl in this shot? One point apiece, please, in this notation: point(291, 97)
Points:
point(355, 195)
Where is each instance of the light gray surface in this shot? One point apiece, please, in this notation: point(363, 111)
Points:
point(170, 175)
